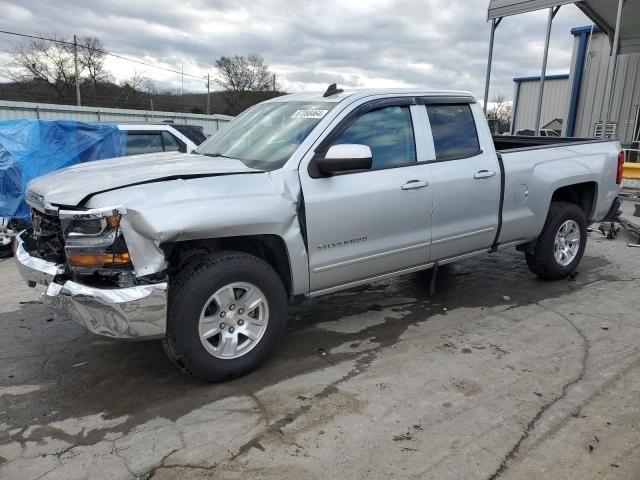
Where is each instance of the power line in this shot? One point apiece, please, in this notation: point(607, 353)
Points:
point(104, 52)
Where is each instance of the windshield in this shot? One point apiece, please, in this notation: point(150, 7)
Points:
point(266, 136)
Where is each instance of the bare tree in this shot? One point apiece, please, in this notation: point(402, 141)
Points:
point(91, 56)
point(501, 109)
point(240, 74)
point(136, 87)
point(45, 61)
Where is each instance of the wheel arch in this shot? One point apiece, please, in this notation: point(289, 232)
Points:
point(270, 248)
point(583, 194)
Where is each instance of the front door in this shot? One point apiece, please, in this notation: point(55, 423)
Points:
point(369, 223)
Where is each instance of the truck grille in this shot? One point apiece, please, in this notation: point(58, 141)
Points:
point(45, 238)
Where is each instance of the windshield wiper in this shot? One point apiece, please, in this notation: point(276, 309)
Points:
point(215, 155)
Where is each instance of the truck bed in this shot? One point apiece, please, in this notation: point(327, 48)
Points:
point(505, 143)
point(534, 168)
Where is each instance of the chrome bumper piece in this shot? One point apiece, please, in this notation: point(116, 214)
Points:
point(32, 269)
point(132, 312)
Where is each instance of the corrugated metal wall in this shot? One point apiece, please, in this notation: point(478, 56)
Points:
point(555, 102)
point(19, 110)
point(626, 96)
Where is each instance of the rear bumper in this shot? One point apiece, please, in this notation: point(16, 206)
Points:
point(137, 312)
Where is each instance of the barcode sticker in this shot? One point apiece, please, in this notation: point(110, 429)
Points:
point(309, 114)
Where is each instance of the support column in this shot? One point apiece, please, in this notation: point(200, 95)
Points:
point(605, 110)
point(552, 13)
point(494, 24)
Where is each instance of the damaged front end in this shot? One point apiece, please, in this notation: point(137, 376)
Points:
point(82, 257)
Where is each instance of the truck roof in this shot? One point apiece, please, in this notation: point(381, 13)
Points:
point(360, 93)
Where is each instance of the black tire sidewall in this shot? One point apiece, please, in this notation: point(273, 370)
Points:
point(547, 265)
point(189, 297)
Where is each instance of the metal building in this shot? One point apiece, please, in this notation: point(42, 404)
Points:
point(617, 18)
point(588, 79)
point(19, 110)
point(554, 104)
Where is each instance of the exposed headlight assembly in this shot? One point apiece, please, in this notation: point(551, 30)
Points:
point(93, 239)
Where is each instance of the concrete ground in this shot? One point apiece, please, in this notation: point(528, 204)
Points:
point(498, 375)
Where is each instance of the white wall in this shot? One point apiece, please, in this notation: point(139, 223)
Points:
point(555, 103)
point(44, 111)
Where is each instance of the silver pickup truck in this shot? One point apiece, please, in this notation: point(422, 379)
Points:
point(301, 196)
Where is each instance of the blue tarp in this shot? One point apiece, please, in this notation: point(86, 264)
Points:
point(31, 148)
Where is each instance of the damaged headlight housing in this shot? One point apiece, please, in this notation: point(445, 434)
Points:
point(93, 239)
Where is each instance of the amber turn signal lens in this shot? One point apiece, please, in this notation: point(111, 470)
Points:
point(113, 221)
point(100, 260)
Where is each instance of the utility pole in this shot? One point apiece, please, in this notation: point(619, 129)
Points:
point(207, 94)
point(75, 62)
point(181, 79)
point(274, 82)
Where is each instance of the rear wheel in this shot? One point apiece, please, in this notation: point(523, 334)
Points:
point(561, 244)
point(225, 316)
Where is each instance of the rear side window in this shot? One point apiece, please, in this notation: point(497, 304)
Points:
point(138, 143)
point(454, 131)
point(388, 132)
point(171, 143)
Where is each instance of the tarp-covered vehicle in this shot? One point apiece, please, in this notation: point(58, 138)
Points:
point(32, 148)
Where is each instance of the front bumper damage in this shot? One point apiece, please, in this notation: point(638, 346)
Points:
point(137, 312)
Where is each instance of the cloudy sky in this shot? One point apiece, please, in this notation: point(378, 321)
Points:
point(357, 43)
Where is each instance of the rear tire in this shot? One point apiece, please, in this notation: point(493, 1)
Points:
point(560, 246)
point(225, 316)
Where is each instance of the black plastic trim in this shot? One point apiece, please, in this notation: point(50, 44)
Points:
point(449, 158)
point(445, 100)
point(544, 142)
point(496, 243)
point(302, 220)
point(343, 165)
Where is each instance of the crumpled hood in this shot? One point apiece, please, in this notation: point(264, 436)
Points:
point(71, 185)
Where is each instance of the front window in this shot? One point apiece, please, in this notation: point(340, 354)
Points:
point(266, 136)
point(388, 132)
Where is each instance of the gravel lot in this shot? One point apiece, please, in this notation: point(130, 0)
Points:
point(498, 375)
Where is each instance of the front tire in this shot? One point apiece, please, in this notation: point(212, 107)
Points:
point(225, 316)
point(561, 244)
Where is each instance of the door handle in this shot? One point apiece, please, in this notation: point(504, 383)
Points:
point(484, 174)
point(413, 184)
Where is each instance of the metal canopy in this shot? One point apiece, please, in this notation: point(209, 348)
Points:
point(601, 12)
point(624, 35)
point(505, 8)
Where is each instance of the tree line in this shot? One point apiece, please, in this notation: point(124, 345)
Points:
point(44, 71)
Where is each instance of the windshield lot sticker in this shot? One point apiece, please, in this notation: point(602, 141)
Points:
point(317, 114)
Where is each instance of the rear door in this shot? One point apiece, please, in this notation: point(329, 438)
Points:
point(465, 180)
point(369, 223)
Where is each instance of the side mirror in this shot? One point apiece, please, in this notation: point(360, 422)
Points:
point(345, 157)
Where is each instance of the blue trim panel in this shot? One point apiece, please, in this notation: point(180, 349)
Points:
point(563, 76)
point(586, 29)
point(577, 80)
